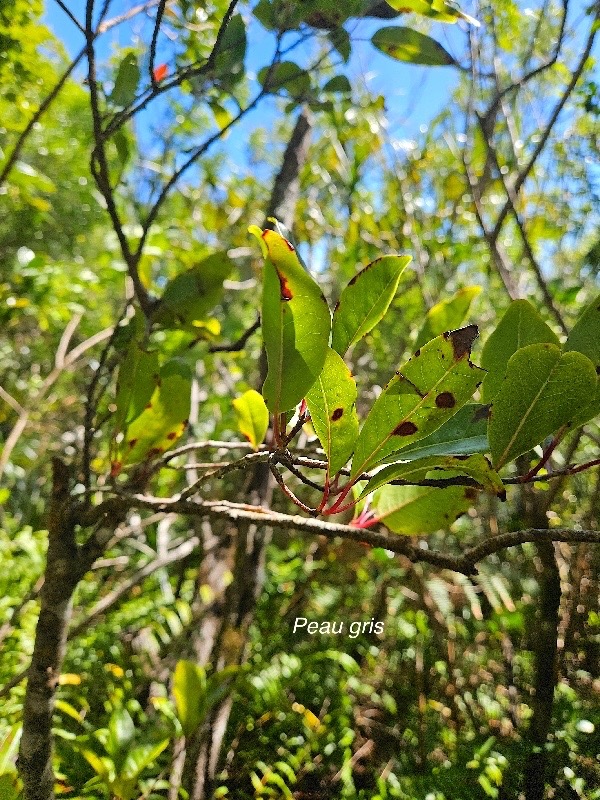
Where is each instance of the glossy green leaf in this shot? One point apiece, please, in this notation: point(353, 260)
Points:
point(418, 510)
point(439, 10)
point(585, 338)
point(425, 392)
point(285, 76)
point(126, 81)
point(520, 326)
point(162, 421)
point(295, 323)
point(365, 300)
point(542, 391)
point(447, 314)
point(406, 44)
point(190, 296)
point(252, 416)
point(462, 434)
point(473, 466)
point(189, 691)
point(339, 84)
point(331, 402)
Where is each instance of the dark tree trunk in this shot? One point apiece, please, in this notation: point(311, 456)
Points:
point(35, 753)
point(544, 637)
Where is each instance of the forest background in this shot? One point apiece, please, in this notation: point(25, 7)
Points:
point(160, 531)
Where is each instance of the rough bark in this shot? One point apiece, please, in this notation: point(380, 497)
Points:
point(220, 639)
point(60, 579)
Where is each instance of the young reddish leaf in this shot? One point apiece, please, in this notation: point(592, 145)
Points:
point(295, 323)
point(160, 72)
point(520, 326)
point(331, 402)
point(365, 300)
point(425, 392)
point(252, 416)
point(542, 391)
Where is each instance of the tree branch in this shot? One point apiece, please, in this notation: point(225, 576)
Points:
point(523, 174)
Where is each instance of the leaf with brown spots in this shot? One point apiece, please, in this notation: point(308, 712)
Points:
point(462, 434)
point(162, 421)
point(406, 410)
point(447, 314)
point(365, 300)
point(476, 467)
point(331, 402)
point(295, 324)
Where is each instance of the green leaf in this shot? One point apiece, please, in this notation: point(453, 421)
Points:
point(295, 324)
point(425, 392)
point(9, 746)
point(101, 765)
point(162, 421)
point(141, 757)
point(8, 787)
point(332, 405)
point(339, 83)
point(473, 466)
point(462, 434)
point(365, 300)
point(121, 731)
point(252, 416)
point(417, 510)
point(137, 381)
point(447, 314)
point(439, 10)
point(232, 49)
point(264, 13)
point(585, 338)
point(542, 391)
point(287, 76)
point(126, 81)
point(340, 39)
point(520, 326)
point(406, 44)
point(189, 691)
point(189, 297)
